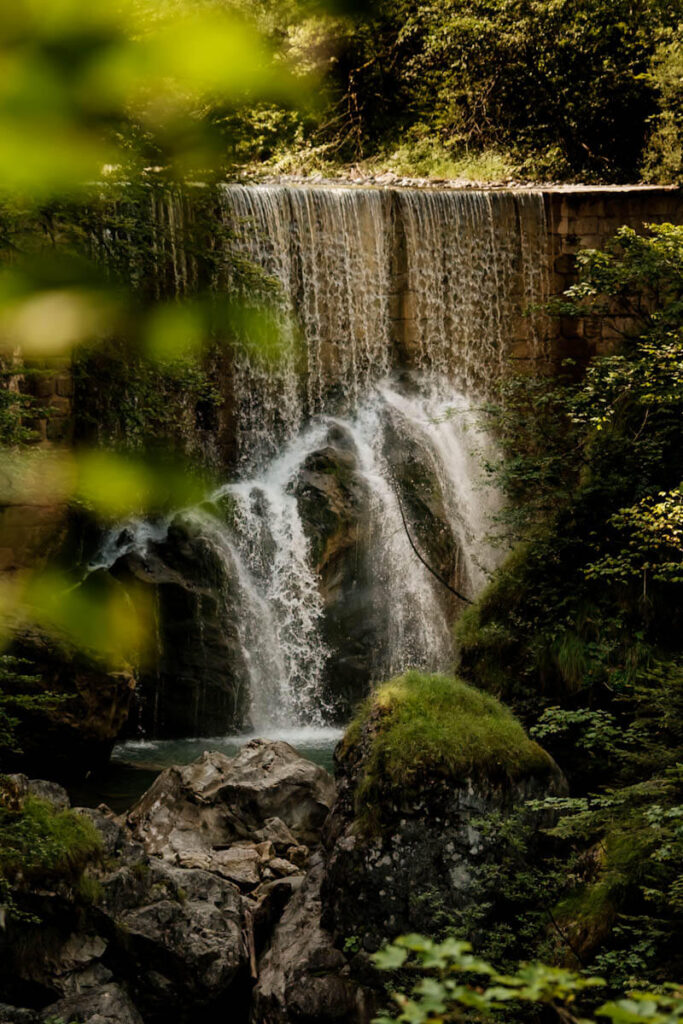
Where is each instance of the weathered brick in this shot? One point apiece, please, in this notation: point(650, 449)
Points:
point(592, 241)
point(585, 226)
point(65, 385)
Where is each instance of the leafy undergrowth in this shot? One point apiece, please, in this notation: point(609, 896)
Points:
point(446, 982)
point(424, 726)
point(580, 631)
point(40, 845)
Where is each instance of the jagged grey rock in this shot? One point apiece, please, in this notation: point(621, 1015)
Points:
point(17, 1015)
point(184, 933)
point(191, 811)
point(43, 789)
point(110, 1004)
point(302, 976)
point(182, 903)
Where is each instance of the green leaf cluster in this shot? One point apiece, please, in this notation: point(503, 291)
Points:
point(40, 845)
point(581, 630)
point(455, 985)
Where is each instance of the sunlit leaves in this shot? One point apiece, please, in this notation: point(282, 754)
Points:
point(48, 323)
point(653, 542)
point(653, 1007)
point(72, 76)
point(123, 91)
point(116, 485)
point(110, 484)
point(185, 330)
point(441, 993)
point(175, 331)
point(390, 958)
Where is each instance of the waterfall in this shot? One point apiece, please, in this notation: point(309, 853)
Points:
point(271, 552)
point(391, 313)
point(474, 262)
point(329, 252)
point(368, 278)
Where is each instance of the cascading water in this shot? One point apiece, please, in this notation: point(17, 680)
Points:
point(472, 265)
point(272, 552)
point(395, 312)
point(329, 252)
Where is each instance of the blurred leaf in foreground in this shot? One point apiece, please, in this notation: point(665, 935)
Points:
point(112, 485)
point(98, 614)
point(78, 78)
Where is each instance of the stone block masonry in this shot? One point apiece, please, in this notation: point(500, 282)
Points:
point(580, 217)
point(33, 525)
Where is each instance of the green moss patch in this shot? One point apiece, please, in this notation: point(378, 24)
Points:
point(40, 845)
point(420, 727)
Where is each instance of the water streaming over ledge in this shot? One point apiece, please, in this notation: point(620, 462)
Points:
point(371, 280)
point(396, 310)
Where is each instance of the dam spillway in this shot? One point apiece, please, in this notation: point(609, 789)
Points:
point(295, 586)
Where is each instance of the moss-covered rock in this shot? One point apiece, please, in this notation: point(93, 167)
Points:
point(426, 727)
point(425, 768)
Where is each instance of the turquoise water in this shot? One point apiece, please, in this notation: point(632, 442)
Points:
point(135, 764)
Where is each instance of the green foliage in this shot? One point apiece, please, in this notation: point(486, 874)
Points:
point(15, 407)
point(664, 154)
point(40, 845)
point(19, 692)
point(654, 535)
point(452, 985)
point(132, 84)
point(105, 114)
point(581, 630)
point(593, 476)
point(418, 726)
point(428, 157)
point(556, 88)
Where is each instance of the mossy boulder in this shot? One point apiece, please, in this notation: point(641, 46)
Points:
point(427, 764)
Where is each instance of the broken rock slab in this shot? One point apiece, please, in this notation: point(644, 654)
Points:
point(193, 814)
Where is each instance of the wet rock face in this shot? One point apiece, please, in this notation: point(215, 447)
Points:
point(196, 687)
point(333, 502)
point(177, 926)
point(109, 1004)
point(425, 865)
point(423, 502)
point(302, 976)
point(76, 734)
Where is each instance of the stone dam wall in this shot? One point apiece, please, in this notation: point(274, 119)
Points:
point(585, 218)
point(575, 217)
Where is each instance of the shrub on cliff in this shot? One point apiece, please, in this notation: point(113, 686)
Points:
point(581, 630)
point(40, 845)
point(421, 726)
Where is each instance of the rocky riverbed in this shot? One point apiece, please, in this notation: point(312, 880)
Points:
point(243, 889)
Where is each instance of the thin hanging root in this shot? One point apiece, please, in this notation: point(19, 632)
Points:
point(426, 564)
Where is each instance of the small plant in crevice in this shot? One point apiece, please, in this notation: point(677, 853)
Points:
point(42, 845)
